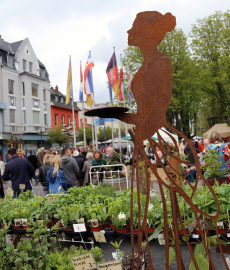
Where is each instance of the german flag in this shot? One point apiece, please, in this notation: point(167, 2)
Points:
point(112, 73)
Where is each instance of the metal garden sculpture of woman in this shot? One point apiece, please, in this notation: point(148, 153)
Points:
point(152, 89)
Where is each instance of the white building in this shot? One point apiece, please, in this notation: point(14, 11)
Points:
point(24, 93)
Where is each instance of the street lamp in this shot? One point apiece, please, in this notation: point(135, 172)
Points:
point(66, 130)
point(40, 131)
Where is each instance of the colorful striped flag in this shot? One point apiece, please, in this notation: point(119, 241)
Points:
point(88, 82)
point(69, 91)
point(81, 85)
point(121, 86)
point(112, 74)
point(131, 97)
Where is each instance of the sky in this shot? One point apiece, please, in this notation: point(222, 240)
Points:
point(58, 29)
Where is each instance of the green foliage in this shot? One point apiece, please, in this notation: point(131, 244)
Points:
point(88, 133)
point(213, 166)
point(210, 39)
point(172, 255)
point(101, 134)
point(56, 136)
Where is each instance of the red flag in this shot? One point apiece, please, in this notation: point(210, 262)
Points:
point(121, 86)
point(112, 74)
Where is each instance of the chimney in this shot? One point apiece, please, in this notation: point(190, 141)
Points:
point(51, 87)
point(56, 88)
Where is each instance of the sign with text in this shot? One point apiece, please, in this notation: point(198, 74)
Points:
point(10, 191)
point(113, 265)
point(83, 262)
point(22, 186)
point(51, 199)
point(99, 237)
point(79, 227)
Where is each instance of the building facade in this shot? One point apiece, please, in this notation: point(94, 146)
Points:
point(24, 94)
point(61, 113)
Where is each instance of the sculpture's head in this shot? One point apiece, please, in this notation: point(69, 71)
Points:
point(150, 26)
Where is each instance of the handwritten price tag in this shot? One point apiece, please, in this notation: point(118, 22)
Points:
point(51, 199)
point(113, 265)
point(85, 261)
point(22, 186)
point(10, 191)
point(79, 227)
point(99, 237)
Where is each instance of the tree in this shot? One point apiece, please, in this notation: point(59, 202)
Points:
point(56, 136)
point(101, 136)
point(88, 133)
point(210, 40)
point(15, 138)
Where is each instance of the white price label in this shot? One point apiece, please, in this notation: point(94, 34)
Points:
point(228, 235)
point(161, 239)
point(220, 224)
point(195, 236)
point(115, 255)
point(79, 227)
point(103, 231)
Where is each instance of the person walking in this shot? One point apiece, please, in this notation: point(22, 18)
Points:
point(34, 161)
point(48, 164)
point(2, 169)
point(40, 157)
point(18, 171)
point(83, 153)
point(80, 162)
point(98, 161)
point(56, 178)
point(86, 168)
point(70, 168)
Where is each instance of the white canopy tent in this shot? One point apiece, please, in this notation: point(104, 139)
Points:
point(165, 137)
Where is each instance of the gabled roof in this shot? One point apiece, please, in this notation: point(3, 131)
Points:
point(5, 46)
point(15, 45)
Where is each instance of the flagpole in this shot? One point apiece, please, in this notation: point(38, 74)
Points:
point(74, 126)
point(119, 123)
point(83, 110)
point(94, 118)
point(126, 128)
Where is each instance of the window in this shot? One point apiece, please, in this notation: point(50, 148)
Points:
point(45, 119)
point(23, 103)
point(62, 100)
point(42, 72)
point(56, 98)
point(11, 87)
point(24, 64)
point(12, 101)
point(10, 60)
point(35, 117)
point(12, 116)
point(45, 107)
point(68, 120)
point(36, 103)
point(56, 119)
point(34, 90)
point(44, 95)
point(30, 67)
point(62, 120)
point(23, 89)
point(24, 117)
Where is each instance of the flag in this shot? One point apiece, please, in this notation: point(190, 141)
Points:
point(121, 86)
point(110, 92)
point(69, 91)
point(131, 97)
point(88, 82)
point(112, 74)
point(81, 85)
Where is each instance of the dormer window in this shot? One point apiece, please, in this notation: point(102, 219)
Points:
point(42, 72)
point(10, 60)
point(56, 98)
point(62, 100)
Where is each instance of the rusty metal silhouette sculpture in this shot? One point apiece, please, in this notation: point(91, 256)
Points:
point(152, 89)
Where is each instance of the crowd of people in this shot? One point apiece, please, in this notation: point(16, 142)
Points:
point(58, 170)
